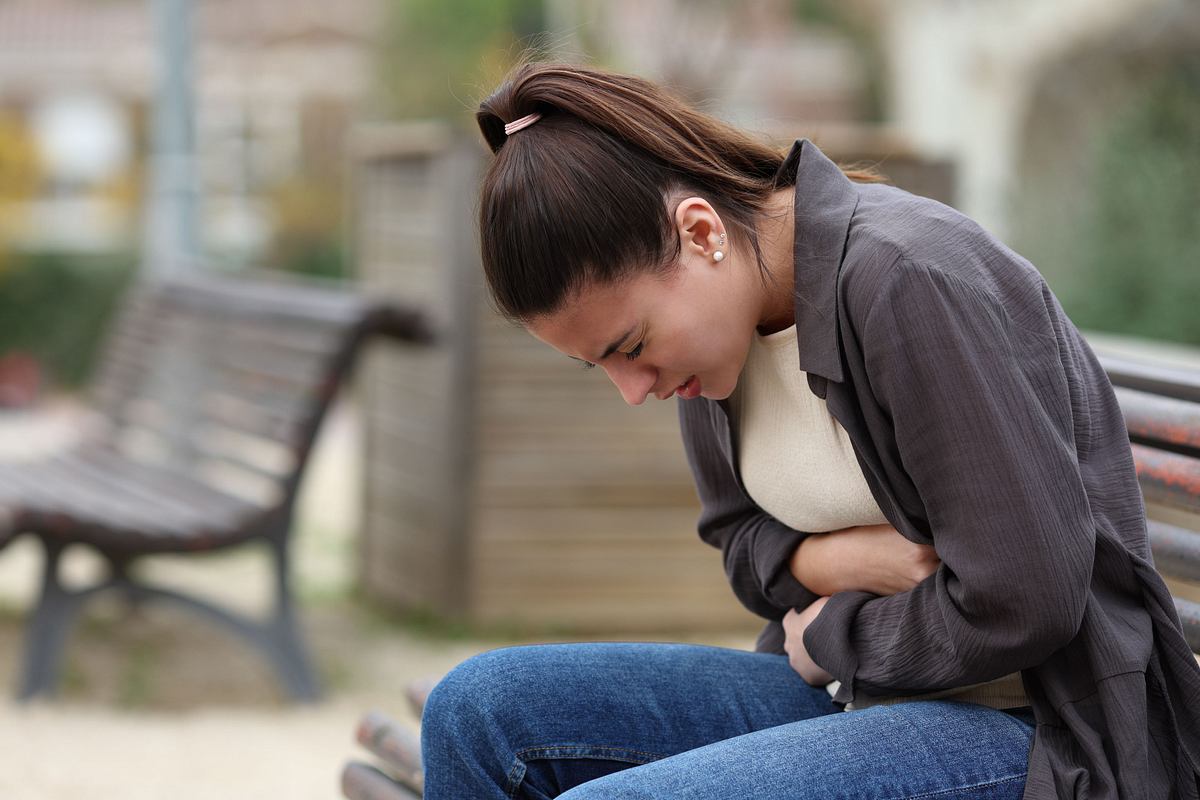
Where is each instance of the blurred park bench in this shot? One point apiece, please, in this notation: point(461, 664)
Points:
point(209, 393)
point(1161, 405)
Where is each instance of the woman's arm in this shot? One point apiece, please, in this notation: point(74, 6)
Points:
point(773, 568)
point(983, 419)
point(863, 558)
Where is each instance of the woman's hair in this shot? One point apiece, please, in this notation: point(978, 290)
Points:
point(581, 196)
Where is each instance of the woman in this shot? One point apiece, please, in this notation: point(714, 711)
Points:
point(911, 461)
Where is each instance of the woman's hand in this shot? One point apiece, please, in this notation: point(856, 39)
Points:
point(794, 624)
point(864, 558)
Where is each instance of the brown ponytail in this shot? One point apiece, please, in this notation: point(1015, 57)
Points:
point(580, 196)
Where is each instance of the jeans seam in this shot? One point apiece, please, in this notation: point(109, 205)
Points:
point(585, 750)
point(517, 773)
point(983, 785)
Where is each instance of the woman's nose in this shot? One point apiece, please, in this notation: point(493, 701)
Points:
point(633, 381)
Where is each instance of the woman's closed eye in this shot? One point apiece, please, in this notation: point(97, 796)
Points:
point(630, 356)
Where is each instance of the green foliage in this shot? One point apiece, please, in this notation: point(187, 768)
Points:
point(1137, 250)
point(55, 306)
point(309, 213)
point(431, 62)
point(862, 29)
point(321, 258)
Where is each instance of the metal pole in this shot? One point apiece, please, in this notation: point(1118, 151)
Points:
point(170, 244)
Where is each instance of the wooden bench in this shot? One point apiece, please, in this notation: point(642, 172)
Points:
point(209, 395)
point(398, 774)
point(1162, 413)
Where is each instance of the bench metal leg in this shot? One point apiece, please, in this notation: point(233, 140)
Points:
point(46, 629)
point(262, 636)
point(278, 637)
point(290, 653)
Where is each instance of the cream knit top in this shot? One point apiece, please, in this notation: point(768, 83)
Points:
point(798, 465)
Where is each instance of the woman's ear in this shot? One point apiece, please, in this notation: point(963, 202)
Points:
point(699, 227)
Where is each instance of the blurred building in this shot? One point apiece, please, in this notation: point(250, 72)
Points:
point(276, 84)
point(989, 87)
point(996, 85)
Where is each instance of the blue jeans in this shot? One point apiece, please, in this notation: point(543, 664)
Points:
point(617, 721)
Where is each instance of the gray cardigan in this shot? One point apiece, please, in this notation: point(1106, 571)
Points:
point(985, 426)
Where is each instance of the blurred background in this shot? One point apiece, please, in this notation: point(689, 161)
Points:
point(334, 143)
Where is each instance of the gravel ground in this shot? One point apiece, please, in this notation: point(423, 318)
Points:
point(157, 705)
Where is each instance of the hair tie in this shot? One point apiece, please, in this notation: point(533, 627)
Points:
point(519, 124)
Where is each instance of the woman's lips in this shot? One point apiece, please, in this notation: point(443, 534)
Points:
point(689, 389)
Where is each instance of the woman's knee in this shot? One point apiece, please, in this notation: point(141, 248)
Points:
point(491, 692)
point(471, 721)
point(473, 689)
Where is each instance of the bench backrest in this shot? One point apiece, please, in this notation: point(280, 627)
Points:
point(228, 380)
point(1162, 412)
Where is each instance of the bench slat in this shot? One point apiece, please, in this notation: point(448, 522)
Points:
point(239, 414)
point(118, 495)
point(1152, 418)
point(210, 437)
point(275, 300)
point(1176, 550)
point(52, 487)
point(114, 496)
point(234, 345)
point(397, 746)
point(364, 782)
point(179, 399)
point(177, 487)
point(1189, 615)
point(1168, 478)
point(1153, 378)
point(417, 692)
point(298, 337)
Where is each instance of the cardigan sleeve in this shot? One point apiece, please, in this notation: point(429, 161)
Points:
point(756, 547)
point(982, 416)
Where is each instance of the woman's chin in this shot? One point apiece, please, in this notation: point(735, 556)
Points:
point(717, 392)
point(711, 388)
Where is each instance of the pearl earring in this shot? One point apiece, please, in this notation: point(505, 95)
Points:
point(717, 254)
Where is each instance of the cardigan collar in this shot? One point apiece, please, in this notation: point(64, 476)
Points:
point(825, 201)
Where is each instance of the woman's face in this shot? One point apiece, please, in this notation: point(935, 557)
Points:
point(686, 333)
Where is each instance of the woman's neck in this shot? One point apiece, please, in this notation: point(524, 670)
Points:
point(776, 232)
